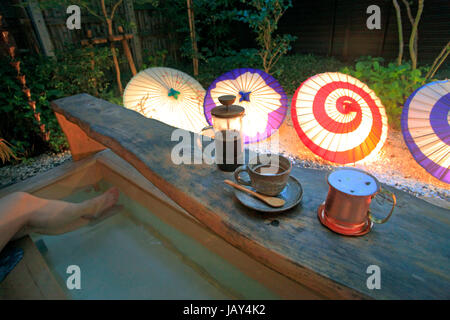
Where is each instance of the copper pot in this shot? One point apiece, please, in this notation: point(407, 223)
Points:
point(350, 214)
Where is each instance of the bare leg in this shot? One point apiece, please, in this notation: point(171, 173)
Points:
point(22, 213)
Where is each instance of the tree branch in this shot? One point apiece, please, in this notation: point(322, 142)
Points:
point(411, 20)
point(413, 34)
point(400, 32)
point(104, 9)
point(438, 61)
point(114, 8)
point(408, 10)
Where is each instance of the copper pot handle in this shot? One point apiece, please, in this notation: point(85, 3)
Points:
point(394, 202)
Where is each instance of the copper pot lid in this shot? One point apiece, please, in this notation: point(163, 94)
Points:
point(368, 184)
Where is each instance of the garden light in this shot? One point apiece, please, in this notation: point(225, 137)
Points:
point(426, 127)
point(263, 98)
point(167, 95)
point(339, 118)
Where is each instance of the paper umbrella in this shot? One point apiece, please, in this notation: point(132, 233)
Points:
point(339, 118)
point(426, 127)
point(167, 95)
point(263, 98)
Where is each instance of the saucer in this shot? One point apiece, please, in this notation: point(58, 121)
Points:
point(292, 195)
point(341, 230)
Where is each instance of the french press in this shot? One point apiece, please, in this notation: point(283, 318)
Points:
point(228, 134)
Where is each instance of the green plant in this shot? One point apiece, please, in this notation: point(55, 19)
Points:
point(214, 26)
point(292, 70)
point(392, 83)
point(17, 123)
point(6, 153)
point(112, 97)
point(156, 59)
point(263, 20)
point(215, 66)
point(105, 11)
point(71, 71)
point(68, 73)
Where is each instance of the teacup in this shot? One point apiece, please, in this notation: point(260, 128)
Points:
point(269, 173)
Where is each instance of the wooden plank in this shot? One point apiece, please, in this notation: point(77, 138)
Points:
point(40, 27)
point(81, 146)
point(135, 41)
point(31, 278)
point(411, 249)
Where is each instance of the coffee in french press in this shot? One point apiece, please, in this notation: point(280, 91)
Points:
point(228, 135)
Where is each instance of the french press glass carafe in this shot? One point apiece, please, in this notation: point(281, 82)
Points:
point(228, 137)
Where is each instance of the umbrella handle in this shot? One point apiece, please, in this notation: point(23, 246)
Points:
point(394, 202)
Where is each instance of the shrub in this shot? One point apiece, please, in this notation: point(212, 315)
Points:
point(292, 70)
point(6, 152)
point(17, 123)
point(215, 66)
point(392, 83)
point(72, 72)
point(48, 79)
point(156, 59)
point(263, 19)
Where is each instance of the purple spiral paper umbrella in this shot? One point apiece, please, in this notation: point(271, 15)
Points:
point(426, 127)
point(263, 98)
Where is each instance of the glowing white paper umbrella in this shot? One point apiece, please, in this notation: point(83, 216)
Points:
point(426, 127)
point(263, 98)
point(339, 118)
point(167, 95)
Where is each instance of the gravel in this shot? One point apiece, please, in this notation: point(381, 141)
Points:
point(29, 168)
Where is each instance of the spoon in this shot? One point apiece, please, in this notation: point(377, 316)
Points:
point(271, 201)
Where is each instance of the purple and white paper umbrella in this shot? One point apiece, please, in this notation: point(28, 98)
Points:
point(261, 95)
point(426, 127)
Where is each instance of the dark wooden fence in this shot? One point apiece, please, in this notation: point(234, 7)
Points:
point(154, 31)
point(338, 28)
point(326, 27)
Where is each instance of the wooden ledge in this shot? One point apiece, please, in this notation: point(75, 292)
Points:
point(411, 249)
point(31, 279)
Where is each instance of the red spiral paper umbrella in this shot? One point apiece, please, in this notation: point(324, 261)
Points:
point(339, 118)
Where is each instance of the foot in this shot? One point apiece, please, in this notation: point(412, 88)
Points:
point(97, 205)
